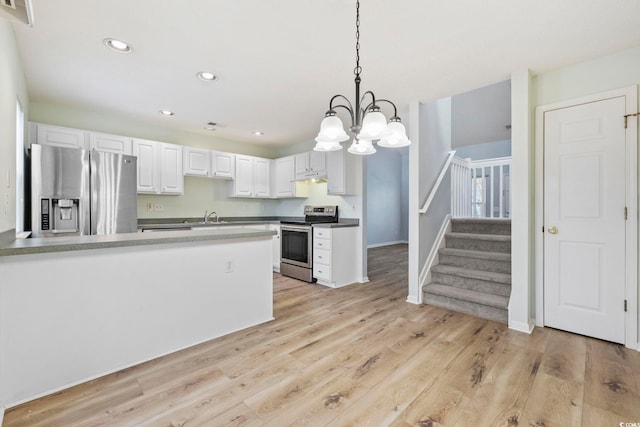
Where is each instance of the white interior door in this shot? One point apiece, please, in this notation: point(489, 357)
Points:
point(584, 219)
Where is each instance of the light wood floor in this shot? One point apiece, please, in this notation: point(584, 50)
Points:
point(361, 355)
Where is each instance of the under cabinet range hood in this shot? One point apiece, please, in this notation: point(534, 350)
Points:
point(78, 192)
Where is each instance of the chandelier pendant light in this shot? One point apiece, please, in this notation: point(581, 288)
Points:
point(368, 124)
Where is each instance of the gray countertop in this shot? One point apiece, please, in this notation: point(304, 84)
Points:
point(173, 233)
point(9, 245)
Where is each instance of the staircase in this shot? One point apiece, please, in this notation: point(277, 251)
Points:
point(474, 271)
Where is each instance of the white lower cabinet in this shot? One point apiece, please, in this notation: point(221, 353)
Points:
point(334, 263)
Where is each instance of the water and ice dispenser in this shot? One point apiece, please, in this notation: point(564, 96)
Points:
point(59, 215)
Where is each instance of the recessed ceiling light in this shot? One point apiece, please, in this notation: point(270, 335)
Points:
point(258, 133)
point(207, 76)
point(210, 126)
point(118, 45)
point(166, 112)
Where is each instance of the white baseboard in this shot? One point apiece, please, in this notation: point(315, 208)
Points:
point(527, 328)
point(395, 242)
point(1, 414)
point(413, 300)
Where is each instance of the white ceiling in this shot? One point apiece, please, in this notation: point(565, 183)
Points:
point(280, 61)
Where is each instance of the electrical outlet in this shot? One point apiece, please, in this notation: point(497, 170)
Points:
point(228, 266)
point(149, 207)
point(158, 207)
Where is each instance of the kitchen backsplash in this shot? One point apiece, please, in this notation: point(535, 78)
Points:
point(202, 194)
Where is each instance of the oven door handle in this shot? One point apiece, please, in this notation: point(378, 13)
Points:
point(306, 228)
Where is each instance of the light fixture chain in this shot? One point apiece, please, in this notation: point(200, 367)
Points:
point(358, 69)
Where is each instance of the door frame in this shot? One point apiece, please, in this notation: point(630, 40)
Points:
point(631, 195)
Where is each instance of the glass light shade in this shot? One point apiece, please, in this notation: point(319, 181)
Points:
point(374, 126)
point(361, 147)
point(397, 136)
point(327, 146)
point(332, 130)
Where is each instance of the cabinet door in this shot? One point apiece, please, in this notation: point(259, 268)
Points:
point(243, 184)
point(171, 178)
point(284, 177)
point(147, 154)
point(109, 143)
point(222, 165)
point(317, 162)
point(302, 164)
point(342, 172)
point(196, 162)
point(262, 178)
point(335, 172)
point(60, 137)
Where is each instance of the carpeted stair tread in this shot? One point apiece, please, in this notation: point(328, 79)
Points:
point(497, 301)
point(481, 225)
point(494, 256)
point(473, 274)
point(476, 236)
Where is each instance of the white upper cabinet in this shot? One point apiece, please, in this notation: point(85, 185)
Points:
point(243, 185)
point(109, 143)
point(252, 177)
point(159, 167)
point(318, 162)
point(283, 177)
point(213, 164)
point(196, 161)
point(262, 177)
point(302, 164)
point(171, 177)
point(283, 183)
point(341, 173)
point(310, 165)
point(57, 136)
point(223, 165)
point(148, 165)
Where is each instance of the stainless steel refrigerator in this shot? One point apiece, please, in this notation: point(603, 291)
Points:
point(81, 192)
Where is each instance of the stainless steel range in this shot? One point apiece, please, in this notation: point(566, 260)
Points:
point(296, 259)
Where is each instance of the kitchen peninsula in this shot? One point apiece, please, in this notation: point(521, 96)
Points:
point(77, 308)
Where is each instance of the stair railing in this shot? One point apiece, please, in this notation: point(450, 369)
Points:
point(435, 187)
point(473, 188)
point(461, 189)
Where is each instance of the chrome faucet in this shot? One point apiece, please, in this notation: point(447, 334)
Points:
point(206, 217)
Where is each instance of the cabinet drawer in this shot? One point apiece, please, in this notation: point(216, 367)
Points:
point(322, 243)
point(322, 272)
point(322, 233)
point(321, 256)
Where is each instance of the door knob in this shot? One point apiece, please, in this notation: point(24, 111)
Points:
point(553, 230)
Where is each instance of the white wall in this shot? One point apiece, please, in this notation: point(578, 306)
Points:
point(202, 194)
point(428, 153)
point(488, 150)
point(12, 88)
point(386, 207)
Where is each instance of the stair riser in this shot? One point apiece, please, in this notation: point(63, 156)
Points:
point(478, 245)
point(480, 228)
point(479, 310)
point(472, 284)
point(495, 266)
